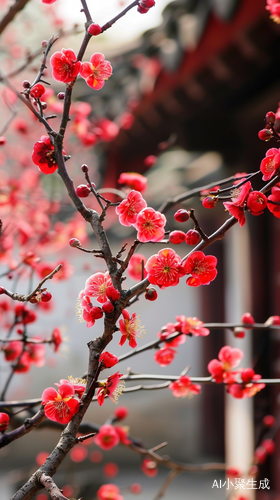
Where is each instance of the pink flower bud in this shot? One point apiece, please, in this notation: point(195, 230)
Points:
point(181, 215)
point(4, 421)
point(270, 117)
point(273, 320)
point(121, 412)
point(107, 307)
point(177, 237)
point(2, 290)
point(108, 359)
point(74, 242)
point(94, 29)
point(192, 237)
point(247, 319)
point(151, 294)
point(112, 293)
point(142, 10)
point(265, 134)
point(247, 375)
point(147, 4)
point(46, 296)
point(210, 201)
point(82, 191)
point(3, 140)
point(239, 333)
point(84, 168)
point(37, 91)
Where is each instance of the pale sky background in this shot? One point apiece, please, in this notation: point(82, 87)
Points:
point(126, 29)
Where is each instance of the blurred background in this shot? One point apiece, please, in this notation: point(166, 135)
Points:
point(200, 75)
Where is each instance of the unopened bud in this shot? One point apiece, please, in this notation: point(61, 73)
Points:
point(84, 168)
point(270, 117)
point(265, 134)
point(74, 242)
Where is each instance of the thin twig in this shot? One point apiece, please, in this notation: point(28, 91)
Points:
point(26, 298)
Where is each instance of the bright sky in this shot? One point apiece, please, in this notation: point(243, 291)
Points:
point(127, 28)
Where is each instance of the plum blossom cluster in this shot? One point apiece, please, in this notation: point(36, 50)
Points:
point(183, 327)
point(65, 68)
point(149, 223)
point(221, 371)
point(166, 268)
point(98, 286)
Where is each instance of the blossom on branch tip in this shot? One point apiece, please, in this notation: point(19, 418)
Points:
point(96, 71)
point(201, 267)
point(60, 406)
point(65, 67)
point(130, 328)
point(112, 388)
point(129, 208)
point(43, 155)
point(184, 387)
point(164, 269)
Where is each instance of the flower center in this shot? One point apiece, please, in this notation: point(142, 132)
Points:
point(235, 192)
point(61, 408)
point(102, 289)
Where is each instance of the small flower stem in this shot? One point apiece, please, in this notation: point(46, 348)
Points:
point(26, 298)
point(248, 177)
point(86, 11)
point(197, 226)
point(121, 14)
point(43, 66)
